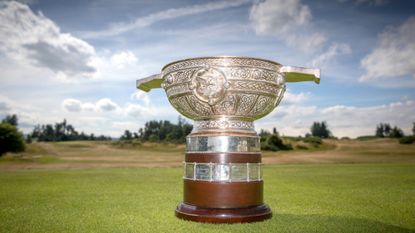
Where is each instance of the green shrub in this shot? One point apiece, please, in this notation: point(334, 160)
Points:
point(301, 147)
point(136, 143)
point(274, 143)
point(367, 137)
point(312, 140)
point(127, 143)
point(11, 140)
point(292, 138)
point(407, 140)
point(153, 138)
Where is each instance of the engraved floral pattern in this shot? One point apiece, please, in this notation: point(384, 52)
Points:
point(221, 61)
point(208, 88)
point(228, 106)
point(246, 103)
point(223, 124)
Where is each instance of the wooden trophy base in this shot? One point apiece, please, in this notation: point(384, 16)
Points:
point(220, 215)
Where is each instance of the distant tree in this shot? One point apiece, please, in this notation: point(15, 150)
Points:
point(396, 132)
point(380, 131)
point(320, 129)
point(272, 141)
point(385, 130)
point(50, 133)
point(140, 133)
point(276, 143)
point(11, 119)
point(83, 136)
point(127, 135)
point(264, 133)
point(164, 131)
point(61, 131)
point(153, 138)
point(413, 129)
point(28, 139)
point(135, 136)
point(11, 140)
point(186, 129)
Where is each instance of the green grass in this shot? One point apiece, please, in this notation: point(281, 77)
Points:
point(304, 198)
point(367, 138)
point(40, 159)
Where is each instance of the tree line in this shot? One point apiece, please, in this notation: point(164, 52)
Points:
point(384, 130)
point(160, 131)
point(12, 140)
point(61, 131)
point(164, 131)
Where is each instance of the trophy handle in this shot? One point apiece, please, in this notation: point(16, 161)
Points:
point(300, 74)
point(150, 82)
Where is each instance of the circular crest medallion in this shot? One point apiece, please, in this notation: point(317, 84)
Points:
point(209, 85)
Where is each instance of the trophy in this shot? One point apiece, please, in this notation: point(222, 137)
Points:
point(222, 174)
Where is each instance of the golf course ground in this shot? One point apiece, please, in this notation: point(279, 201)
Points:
point(340, 186)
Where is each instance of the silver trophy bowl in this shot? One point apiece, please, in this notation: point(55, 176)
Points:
point(235, 88)
point(224, 95)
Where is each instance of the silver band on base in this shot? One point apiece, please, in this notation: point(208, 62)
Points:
point(222, 143)
point(222, 172)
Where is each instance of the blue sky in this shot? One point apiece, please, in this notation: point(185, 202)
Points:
point(79, 59)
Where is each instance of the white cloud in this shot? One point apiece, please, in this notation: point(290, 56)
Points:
point(294, 110)
point(117, 66)
point(126, 125)
point(343, 120)
point(306, 43)
point(137, 111)
point(289, 20)
point(72, 105)
point(25, 112)
point(291, 98)
point(141, 96)
point(87, 117)
point(279, 16)
point(33, 38)
point(106, 105)
point(394, 56)
point(89, 107)
point(123, 59)
point(5, 105)
point(141, 22)
point(142, 111)
point(28, 114)
point(328, 56)
point(150, 112)
point(27, 2)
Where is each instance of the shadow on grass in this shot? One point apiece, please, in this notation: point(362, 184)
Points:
point(319, 223)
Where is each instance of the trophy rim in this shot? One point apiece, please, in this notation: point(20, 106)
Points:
point(220, 57)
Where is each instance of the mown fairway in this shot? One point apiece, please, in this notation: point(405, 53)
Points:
point(369, 190)
point(84, 154)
